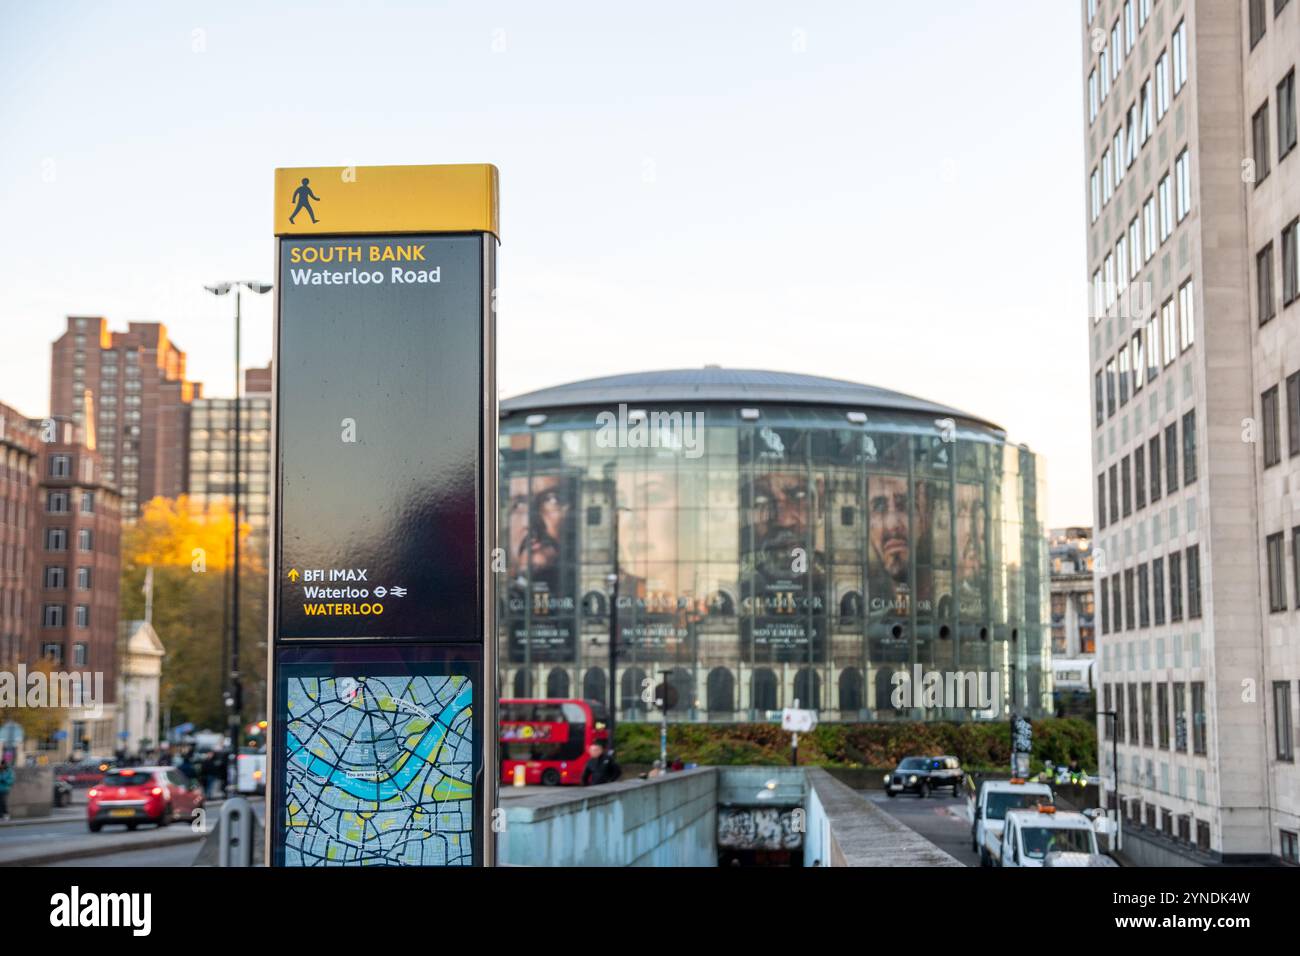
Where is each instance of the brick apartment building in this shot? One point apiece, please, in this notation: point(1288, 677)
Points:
point(142, 398)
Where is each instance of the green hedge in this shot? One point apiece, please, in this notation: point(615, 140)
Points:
point(979, 746)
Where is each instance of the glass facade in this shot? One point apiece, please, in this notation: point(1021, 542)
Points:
point(767, 554)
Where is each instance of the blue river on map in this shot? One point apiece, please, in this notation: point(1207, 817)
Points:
point(379, 790)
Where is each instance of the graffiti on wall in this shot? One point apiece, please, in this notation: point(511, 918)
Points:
point(761, 828)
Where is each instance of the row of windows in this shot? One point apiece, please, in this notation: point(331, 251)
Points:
point(1114, 704)
point(1259, 18)
point(1168, 334)
point(56, 539)
point(1270, 421)
point(1162, 820)
point(60, 503)
point(1275, 560)
point(1265, 305)
point(53, 650)
point(56, 577)
point(55, 615)
point(1140, 475)
point(1286, 128)
point(1119, 610)
point(1110, 58)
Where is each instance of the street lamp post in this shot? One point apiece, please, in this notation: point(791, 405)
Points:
point(236, 686)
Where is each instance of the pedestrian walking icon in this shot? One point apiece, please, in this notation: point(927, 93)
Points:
point(300, 196)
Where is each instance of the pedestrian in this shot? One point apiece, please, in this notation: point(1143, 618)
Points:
point(6, 784)
point(601, 767)
point(186, 767)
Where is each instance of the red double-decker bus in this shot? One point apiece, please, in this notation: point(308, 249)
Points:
point(549, 738)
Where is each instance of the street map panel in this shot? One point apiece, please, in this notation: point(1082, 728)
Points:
point(379, 771)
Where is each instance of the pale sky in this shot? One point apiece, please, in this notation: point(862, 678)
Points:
point(882, 192)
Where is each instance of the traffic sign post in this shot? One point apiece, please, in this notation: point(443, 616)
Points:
point(382, 740)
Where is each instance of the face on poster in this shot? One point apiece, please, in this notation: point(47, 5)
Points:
point(899, 537)
point(541, 563)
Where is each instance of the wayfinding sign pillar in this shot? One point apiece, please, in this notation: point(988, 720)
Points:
point(383, 678)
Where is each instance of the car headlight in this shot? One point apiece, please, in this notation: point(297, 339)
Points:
point(912, 779)
point(886, 778)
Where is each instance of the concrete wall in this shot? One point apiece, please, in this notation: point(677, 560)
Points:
point(844, 829)
point(33, 792)
point(667, 821)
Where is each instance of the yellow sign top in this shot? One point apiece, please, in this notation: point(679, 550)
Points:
point(369, 200)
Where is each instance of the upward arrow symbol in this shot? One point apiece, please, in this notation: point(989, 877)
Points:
point(293, 574)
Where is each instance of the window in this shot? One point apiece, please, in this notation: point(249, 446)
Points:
point(1140, 477)
point(1105, 608)
point(1144, 12)
point(1097, 306)
point(56, 539)
point(1194, 582)
point(1162, 85)
point(1154, 448)
point(1149, 228)
point(1114, 494)
point(1290, 265)
point(53, 615)
point(1180, 717)
point(1099, 397)
point(83, 579)
point(1116, 604)
point(1125, 373)
point(1289, 846)
point(1175, 587)
point(1158, 586)
point(1106, 190)
point(1264, 304)
point(1119, 715)
point(56, 577)
point(1179, 45)
point(1122, 263)
point(1133, 726)
point(80, 655)
point(1187, 314)
point(1189, 448)
point(1162, 716)
point(1183, 184)
point(1282, 720)
point(1117, 155)
point(1166, 209)
point(56, 503)
point(1259, 139)
point(1152, 337)
point(1276, 573)
point(1126, 483)
point(1130, 27)
point(1130, 608)
point(1138, 362)
point(1147, 736)
point(1103, 66)
point(1146, 119)
point(1101, 499)
point(1171, 330)
point(1286, 115)
point(1198, 717)
point(85, 540)
point(1108, 272)
point(1116, 56)
point(1258, 22)
point(1092, 10)
point(1092, 95)
point(60, 466)
point(83, 616)
point(1134, 248)
point(1268, 409)
point(1295, 562)
point(1144, 596)
point(1110, 388)
point(87, 502)
point(1171, 458)
point(1094, 191)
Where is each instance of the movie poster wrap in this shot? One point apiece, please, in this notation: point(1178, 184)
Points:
point(541, 566)
point(970, 551)
point(784, 569)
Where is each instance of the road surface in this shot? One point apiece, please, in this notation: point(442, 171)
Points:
point(941, 819)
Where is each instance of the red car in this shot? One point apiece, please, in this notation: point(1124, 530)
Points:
point(135, 795)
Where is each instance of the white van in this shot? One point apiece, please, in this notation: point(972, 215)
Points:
point(989, 810)
point(1030, 836)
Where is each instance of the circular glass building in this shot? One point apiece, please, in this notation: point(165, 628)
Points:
point(774, 538)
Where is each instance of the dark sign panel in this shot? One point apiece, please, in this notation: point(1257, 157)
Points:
point(379, 416)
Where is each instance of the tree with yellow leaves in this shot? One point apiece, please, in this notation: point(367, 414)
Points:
point(189, 549)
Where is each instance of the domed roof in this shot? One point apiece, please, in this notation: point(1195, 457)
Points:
point(731, 386)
